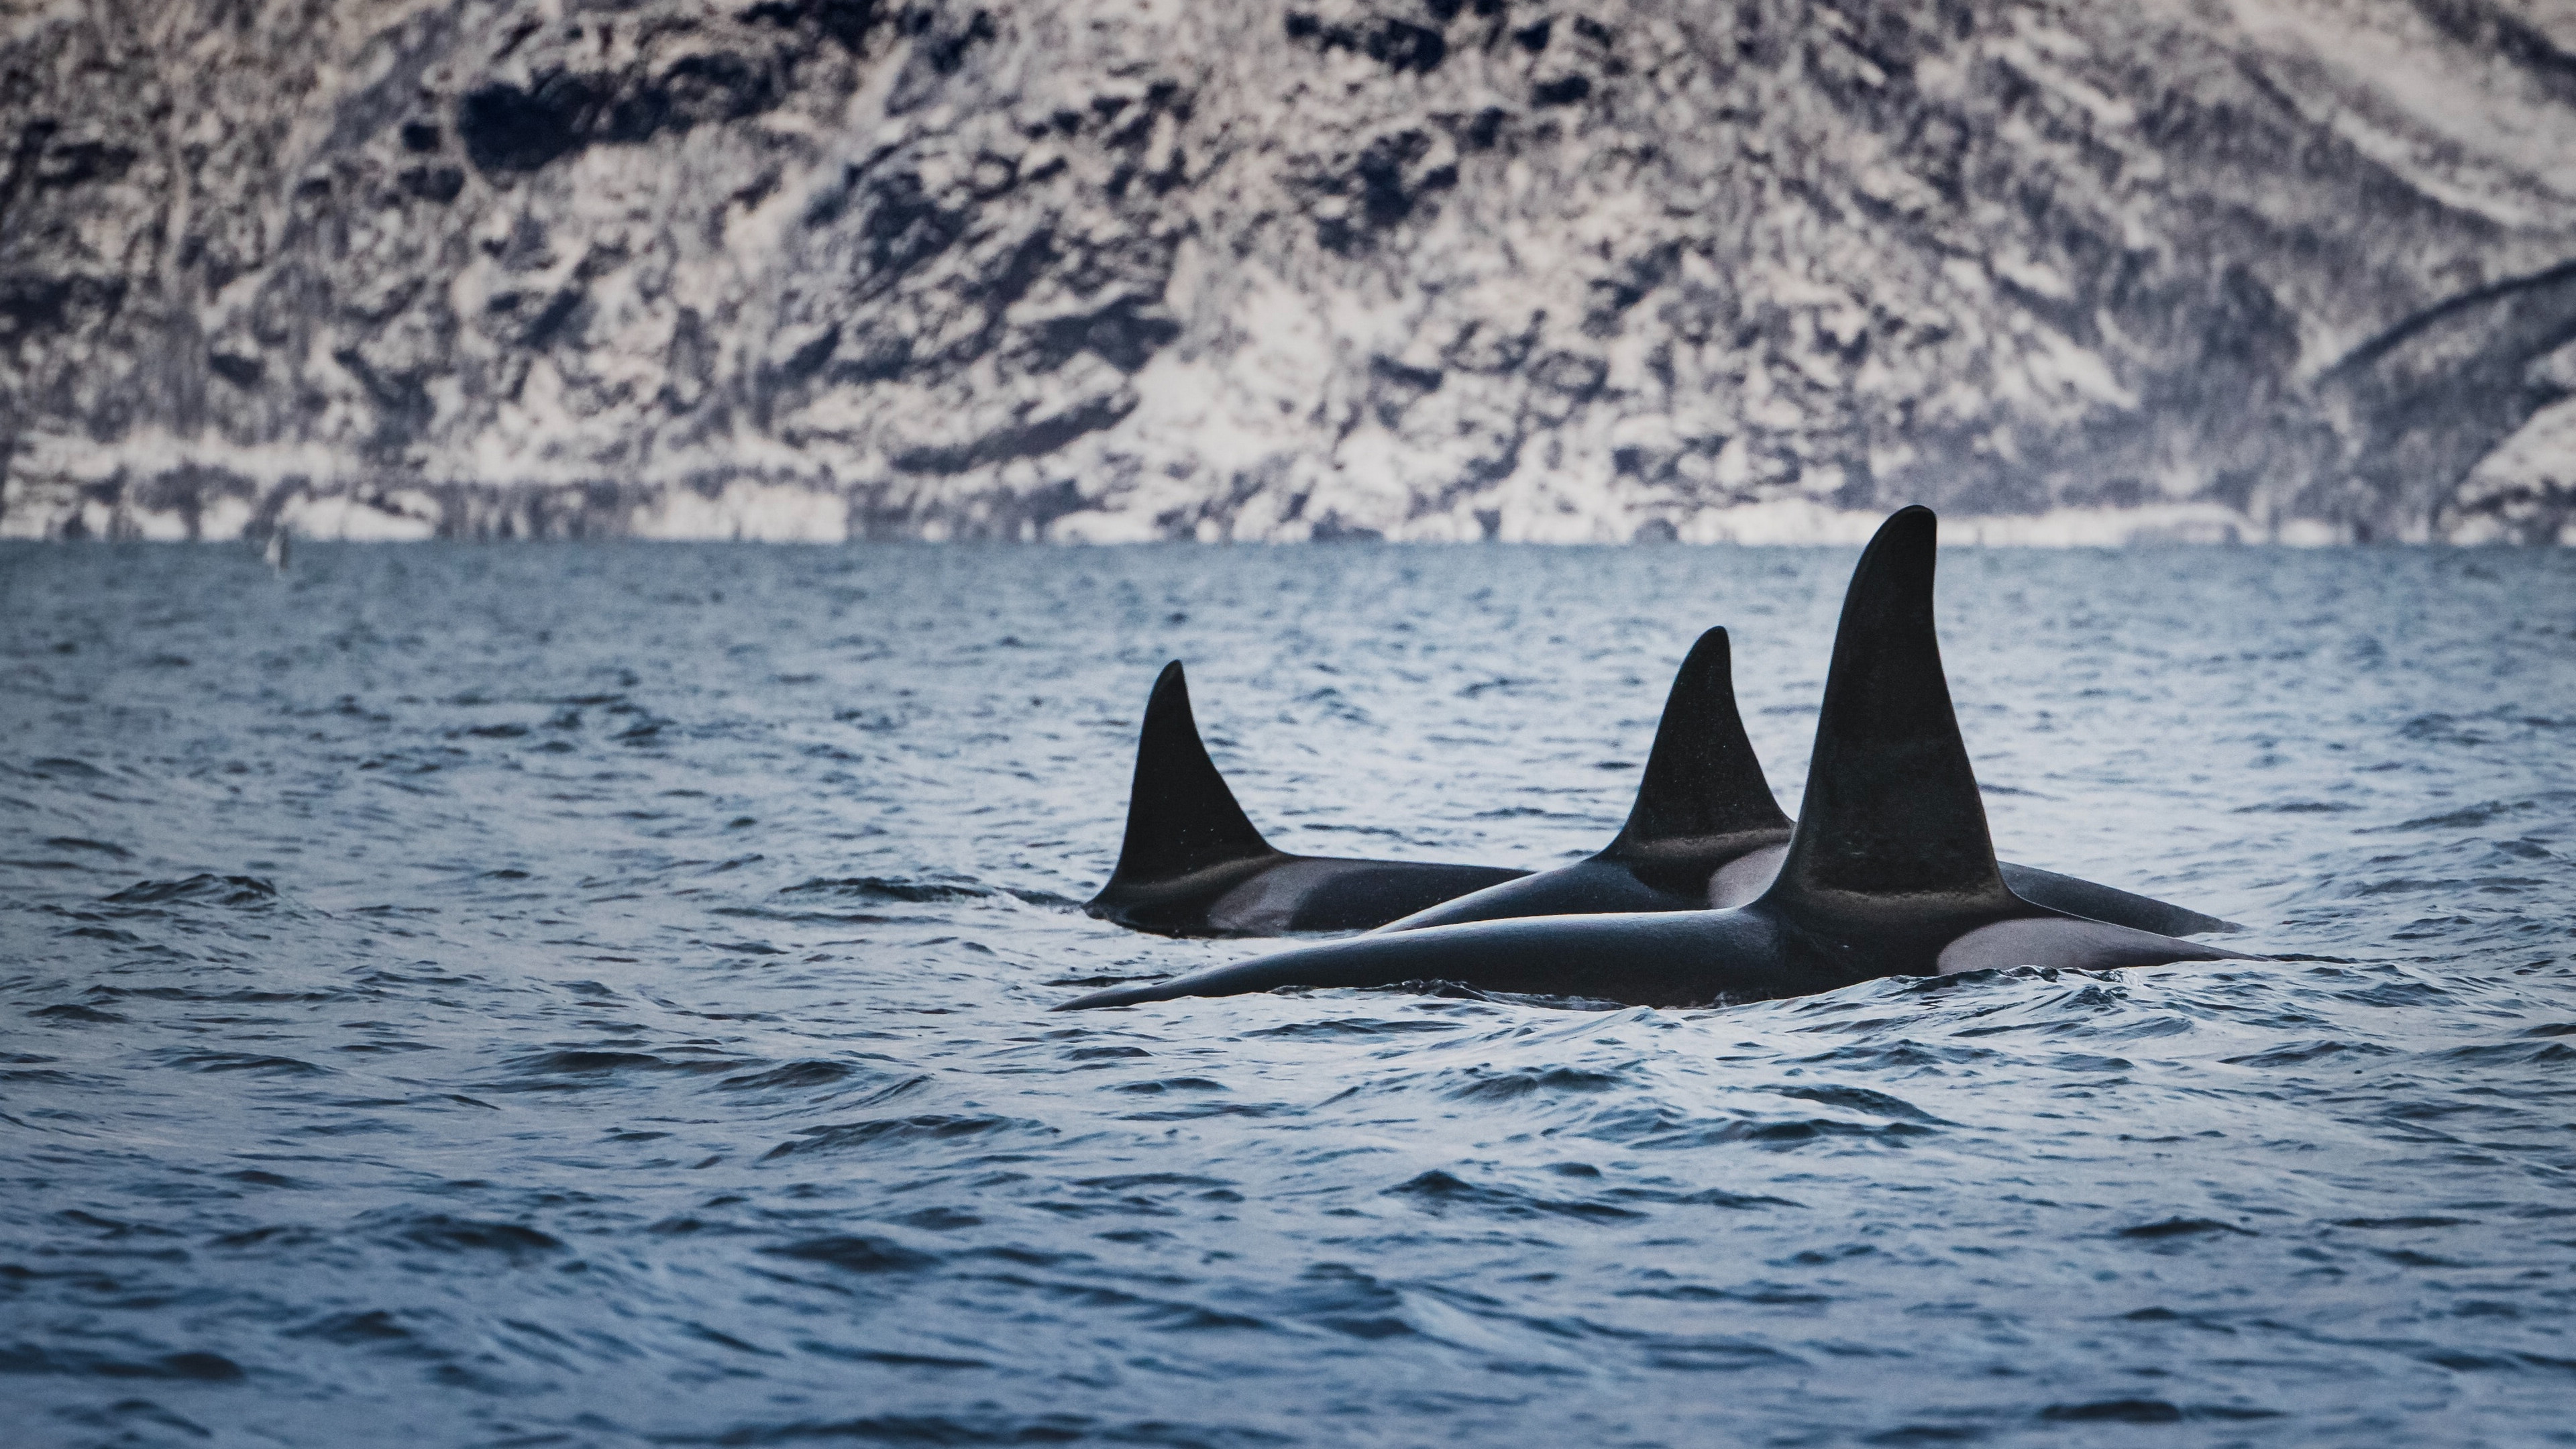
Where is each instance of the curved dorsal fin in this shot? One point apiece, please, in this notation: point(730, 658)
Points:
point(1180, 815)
point(1892, 820)
point(1702, 780)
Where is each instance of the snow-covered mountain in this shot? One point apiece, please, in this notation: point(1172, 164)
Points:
point(1227, 269)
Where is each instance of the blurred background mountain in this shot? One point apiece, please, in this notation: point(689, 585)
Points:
point(2300, 270)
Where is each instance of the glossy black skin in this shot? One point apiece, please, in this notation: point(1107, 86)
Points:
point(1277, 894)
point(1768, 949)
point(2097, 902)
point(1736, 873)
point(1705, 833)
point(1890, 869)
point(1703, 803)
point(1193, 865)
point(1662, 958)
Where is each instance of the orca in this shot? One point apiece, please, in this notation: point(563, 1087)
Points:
point(1890, 869)
point(1706, 832)
point(1193, 865)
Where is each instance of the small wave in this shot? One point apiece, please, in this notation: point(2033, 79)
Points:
point(2396, 994)
point(888, 889)
point(442, 1233)
point(1351, 1026)
point(854, 1253)
point(583, 1066)
point(111, 1228)
point(355, 1329)
point(74, 1011)
point(2113, 1411)
point(1439, 1191)
point(683, 1226)
point(103, 933)
point(2466, 818)
point(2405, 885)
point(257, 1177)
point(1657, 1132)
point(2294, 1054)
point(1490, 1085)
point(236, 997)
point(1703, 1197)
point(897, 1131)
point(2087, 1062)
point(1905, 1056)
point(992, 1427)
point(266, 1066)
point(893, 1357)
point(1143, 1182)
point(2521, 1053)
point(794, 1076)
point(1199, 1110)
point(198, 1367)
point(1860, 1099)
point(1343, 1300)
point(1459, 991)
point(722, 1339)
point(1768, 1295)
point(2181, 1228)
point(200, 889)
point(818, 918)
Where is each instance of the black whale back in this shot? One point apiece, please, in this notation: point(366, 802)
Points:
point(1180, 815)
point(1892, 836)
point(1703, 783)
point(1890, 871)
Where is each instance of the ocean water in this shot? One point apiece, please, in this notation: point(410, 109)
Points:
point(599, 996)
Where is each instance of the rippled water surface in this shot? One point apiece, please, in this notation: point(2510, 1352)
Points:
point(551, 996)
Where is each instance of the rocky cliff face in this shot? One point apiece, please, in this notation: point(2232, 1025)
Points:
point(1456, 269)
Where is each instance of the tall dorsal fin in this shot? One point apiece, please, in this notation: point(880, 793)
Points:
point(1180, 815)
point(1702, 780)
point(1892, 822)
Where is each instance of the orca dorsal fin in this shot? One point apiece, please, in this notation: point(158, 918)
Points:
point(1180, 815)
point(1892, 825)
point(1702, 779)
